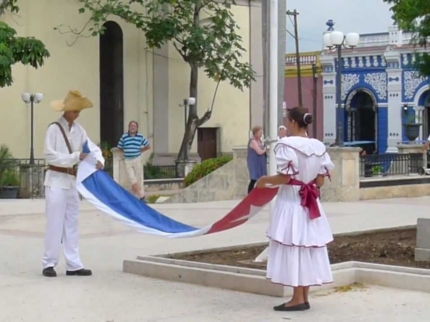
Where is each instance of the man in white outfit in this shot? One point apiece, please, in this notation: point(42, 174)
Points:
point(63, 150)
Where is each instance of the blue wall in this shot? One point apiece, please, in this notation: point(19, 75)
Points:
point(382, 130)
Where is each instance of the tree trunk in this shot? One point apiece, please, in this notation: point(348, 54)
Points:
point(193, 121)
point(193, 118)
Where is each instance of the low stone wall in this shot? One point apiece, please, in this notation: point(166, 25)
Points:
point(163, 184)
point(395, 187)
point(345, 182)
point(230, 182)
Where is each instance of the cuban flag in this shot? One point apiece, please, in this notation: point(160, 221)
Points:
point(97, 187)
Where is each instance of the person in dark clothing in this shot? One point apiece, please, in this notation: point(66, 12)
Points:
point(256, 157)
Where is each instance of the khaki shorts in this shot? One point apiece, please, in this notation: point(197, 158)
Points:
point(134, 169)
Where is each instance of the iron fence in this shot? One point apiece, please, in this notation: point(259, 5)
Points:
point(20, 179)
point(389, 164)
point(151, 171)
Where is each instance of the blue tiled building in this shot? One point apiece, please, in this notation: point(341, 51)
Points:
point(380, 90)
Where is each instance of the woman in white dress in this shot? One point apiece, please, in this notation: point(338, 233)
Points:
point(299, 230)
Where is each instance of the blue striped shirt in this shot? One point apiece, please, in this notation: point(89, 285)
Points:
point(131, 145)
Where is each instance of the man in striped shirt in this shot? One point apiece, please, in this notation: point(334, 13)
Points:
point(132, 145)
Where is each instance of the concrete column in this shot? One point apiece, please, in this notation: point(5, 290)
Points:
point(329, 99)
point(256, 59)
point(422, 251)
point(345, 179)
point(282, 49)
point(394, 88)
point(119, 172)
point(161, 100)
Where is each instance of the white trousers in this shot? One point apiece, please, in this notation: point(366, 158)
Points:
point(62, 211)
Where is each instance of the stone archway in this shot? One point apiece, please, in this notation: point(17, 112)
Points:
point(361, 110)
point(424, 106)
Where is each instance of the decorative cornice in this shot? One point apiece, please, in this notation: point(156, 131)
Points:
point(306, 61)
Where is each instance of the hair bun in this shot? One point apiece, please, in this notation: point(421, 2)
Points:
point(307, 118)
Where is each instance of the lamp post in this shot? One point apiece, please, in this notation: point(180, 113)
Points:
point(32, 99)
point(187, 102)
point(337, 40)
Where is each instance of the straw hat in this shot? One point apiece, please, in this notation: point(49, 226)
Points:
point(74, 101)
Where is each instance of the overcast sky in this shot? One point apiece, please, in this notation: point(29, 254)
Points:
point(362, 16)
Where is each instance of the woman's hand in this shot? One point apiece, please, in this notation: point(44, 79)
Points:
point(261, 183)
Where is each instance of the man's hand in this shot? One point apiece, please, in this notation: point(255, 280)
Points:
point(425, 146)
point(99, 165)
point(82, 156)
point(146, 148)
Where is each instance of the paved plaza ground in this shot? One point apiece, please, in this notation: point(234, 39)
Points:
point(113, 296)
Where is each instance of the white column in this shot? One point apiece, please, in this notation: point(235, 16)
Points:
point(419, 111)
point(395, 110)
point(273, 100)
point(329, 99)
point(273, 74)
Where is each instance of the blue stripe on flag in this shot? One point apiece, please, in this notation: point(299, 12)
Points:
point(111, 194)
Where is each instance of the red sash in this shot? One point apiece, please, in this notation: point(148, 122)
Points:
point(308, 194)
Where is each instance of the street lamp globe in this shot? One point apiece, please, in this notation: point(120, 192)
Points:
point(25, 97)
point(352, 39)
point(337, 38)
point(327, 40)
point(38, 97)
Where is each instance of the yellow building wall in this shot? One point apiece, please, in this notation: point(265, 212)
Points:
point(77, 67)
point(69, 67)
point(231, 112)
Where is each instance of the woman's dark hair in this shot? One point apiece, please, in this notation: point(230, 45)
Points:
point(301, 116)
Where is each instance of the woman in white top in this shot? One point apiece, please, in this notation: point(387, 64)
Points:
point(299, 230)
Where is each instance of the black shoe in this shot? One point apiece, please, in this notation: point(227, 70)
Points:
point(299, 307)
point(307, 305)
point(49, 272)
point(143, 199)
point(80, 272)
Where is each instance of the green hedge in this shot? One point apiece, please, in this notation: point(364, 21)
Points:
point(203, 169)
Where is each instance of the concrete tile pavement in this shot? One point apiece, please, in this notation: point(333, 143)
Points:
point(111, 295)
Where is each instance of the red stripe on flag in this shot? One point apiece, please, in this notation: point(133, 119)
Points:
point(258, 197)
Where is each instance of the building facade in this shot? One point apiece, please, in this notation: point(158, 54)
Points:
point(126, 81)
point(311, 84)
point(380, 90)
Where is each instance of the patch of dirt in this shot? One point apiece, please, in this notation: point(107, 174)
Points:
point(395, 247)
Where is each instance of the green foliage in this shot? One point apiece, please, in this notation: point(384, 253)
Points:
point(8, 176)
point(156, 172)
point(152, 199)
point(414, 16)
point(212, 43)
point(203, 169)
point(152, 171)
point(377, 170)
point(14, 49)
point(5, 160)
point(9, 179)
point(10, 5)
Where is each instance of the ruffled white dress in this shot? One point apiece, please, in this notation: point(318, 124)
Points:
point(297, 250)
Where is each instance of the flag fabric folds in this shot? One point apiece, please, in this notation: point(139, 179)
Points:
point(97, 187)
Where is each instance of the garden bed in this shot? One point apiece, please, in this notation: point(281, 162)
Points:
point(392, 247)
